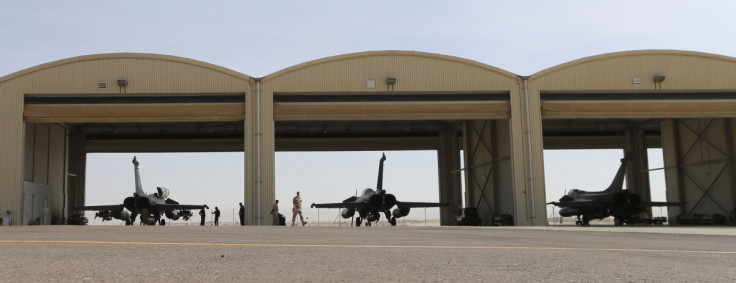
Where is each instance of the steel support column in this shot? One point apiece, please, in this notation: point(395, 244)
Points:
point(637, 173)
point(728, 128)
point(448, 158)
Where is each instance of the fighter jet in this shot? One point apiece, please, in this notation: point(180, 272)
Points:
point(149, 206)
point(623, 205)
point(371, 203)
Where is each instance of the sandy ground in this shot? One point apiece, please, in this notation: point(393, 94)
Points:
point(366, 254)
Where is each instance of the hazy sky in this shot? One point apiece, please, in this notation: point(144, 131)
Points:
point(259, 38)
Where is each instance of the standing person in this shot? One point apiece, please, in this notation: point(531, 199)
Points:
point(241, 213)
point(275, 213)
point(201, 217)
point(217, 216)
point(297, 210)
point(144, 216)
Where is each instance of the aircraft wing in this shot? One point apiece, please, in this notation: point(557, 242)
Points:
point(350, 204)
point(404, 204)
point(659, 203)
point(101, 207)
point(579, 204)
point(161, 207)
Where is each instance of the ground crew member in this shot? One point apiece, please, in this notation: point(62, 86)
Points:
point(275, 213)
point(144, 216)
point(241, 213)
point(201, 217)
point(297, 210)
point(217, 216)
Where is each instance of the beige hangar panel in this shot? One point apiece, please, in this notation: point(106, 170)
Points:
point(639, 84)
point(699, 165)
point(641, 88)
point(46, 109)
point(384, 91)
point(487, 158)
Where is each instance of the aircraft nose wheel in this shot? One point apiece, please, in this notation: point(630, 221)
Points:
point(392, 221)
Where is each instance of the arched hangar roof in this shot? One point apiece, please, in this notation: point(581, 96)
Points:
point(682, 70)
point(144, 73)
point(414, 72)
point(639, 84)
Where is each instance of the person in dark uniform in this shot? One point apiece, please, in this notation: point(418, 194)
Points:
point(201, 217)
point(275, 213)
point(217, 216)
point(241, 213)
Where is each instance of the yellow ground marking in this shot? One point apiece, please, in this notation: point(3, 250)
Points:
point(337, 246)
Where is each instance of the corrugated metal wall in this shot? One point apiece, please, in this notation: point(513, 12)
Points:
point(11, 144)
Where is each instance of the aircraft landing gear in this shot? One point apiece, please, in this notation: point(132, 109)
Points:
point(584, 222)
point(392, 221)
point(357, 222)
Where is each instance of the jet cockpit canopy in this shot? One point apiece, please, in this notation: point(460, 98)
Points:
point(163, 193)
point(574, 192)
point(367, 191)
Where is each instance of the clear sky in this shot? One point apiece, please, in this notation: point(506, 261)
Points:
point(259, 38)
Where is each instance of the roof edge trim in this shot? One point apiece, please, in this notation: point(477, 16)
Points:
point(124, 55)
point(643, 52)
point(356, 55)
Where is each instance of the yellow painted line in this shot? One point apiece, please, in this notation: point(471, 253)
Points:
point(53, 242)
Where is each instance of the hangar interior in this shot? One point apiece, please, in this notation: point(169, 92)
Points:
point(683, 102)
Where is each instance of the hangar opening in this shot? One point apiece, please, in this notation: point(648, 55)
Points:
point(593, 170)
point(694, 170)
point(54, 148)
point(212, 178)
point(333, 176)
point(442, 122)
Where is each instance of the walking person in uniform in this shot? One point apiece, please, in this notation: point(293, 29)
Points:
point(297, 210)
point(241, 213)
point(275, 213)
point(217, 216)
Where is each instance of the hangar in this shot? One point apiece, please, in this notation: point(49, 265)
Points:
point(54, 114)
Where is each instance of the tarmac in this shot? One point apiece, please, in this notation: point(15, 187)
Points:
point(363, 254)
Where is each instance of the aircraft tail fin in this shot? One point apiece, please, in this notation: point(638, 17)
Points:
point(379, 185)
point(618, 181)
point(138, 186)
